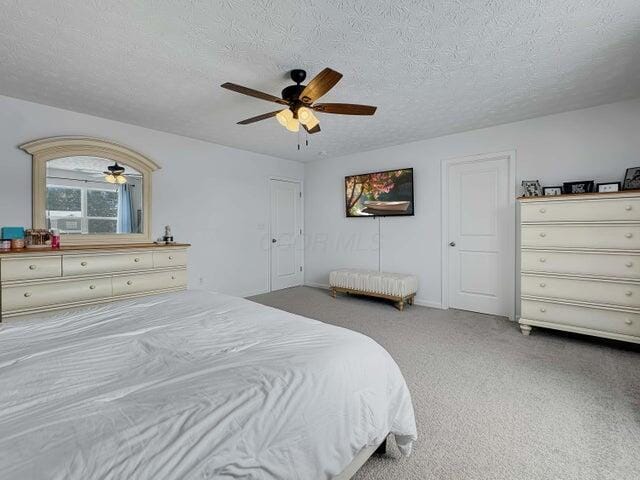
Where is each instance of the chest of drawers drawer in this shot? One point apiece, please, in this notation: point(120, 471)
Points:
point(621, 209)
point(576, 263)
point(136, 283)
point(598, 319)
point(31, 268)
point(170, 258)
point(25, 297)
point(105, 263)
point(615, 237)
point(582, 290)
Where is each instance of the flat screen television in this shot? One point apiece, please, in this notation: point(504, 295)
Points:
point(380, 194)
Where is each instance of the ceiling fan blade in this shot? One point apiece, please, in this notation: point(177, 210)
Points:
point(264, 116)
point(313, 130)
point(253, 93)
point(321, 84)
point(345, 108)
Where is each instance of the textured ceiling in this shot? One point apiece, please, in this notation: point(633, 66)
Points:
point(432, 67)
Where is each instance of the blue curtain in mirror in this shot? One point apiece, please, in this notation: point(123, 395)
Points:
point(125, 210)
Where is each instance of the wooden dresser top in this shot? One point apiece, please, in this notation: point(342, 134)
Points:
point(91, 249)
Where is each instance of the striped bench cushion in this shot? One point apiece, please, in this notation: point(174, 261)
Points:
point(384, 283)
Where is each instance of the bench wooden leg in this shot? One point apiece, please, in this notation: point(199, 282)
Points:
point(400, 305)
point(333, 292)
point(410, 299)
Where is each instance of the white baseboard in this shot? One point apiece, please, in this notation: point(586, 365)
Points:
point(427, 303)
point(254, 293)
point(317, 285)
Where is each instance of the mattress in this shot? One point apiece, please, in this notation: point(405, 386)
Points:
point(192, 384)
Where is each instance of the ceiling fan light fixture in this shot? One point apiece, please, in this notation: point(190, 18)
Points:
point(312, 122)
point(293, 125)
point(110, 178)
point(121, 179)
point(304, 115)
point(284, 117)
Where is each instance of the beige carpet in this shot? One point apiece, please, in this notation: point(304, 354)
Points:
point(490, 403)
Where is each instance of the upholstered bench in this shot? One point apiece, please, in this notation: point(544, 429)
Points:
point(393, 286)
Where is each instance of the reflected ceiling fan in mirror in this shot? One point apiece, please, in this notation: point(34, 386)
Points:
point(300, 101)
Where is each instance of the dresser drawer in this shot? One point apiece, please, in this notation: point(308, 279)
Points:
point(48, 294)
point(616, 237)
point(105, 263)
point(176, 258)
point(591, 291)
point(612, 321)
point(581, 210)
point(144, 282)
point(30, 268)
point(595, 264)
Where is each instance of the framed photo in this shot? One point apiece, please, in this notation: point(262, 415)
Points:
point(531, 188)
point(631, 179)
point(550, 191)
point(608, 187)
point(585, 186)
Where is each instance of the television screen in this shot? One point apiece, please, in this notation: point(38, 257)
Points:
point(380, 194)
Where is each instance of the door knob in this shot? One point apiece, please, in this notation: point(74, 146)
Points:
point(452, 244)
point(273, 240)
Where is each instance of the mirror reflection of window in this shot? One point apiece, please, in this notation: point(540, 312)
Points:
point(91, 195)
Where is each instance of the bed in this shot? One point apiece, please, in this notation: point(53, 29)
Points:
point(193, 384)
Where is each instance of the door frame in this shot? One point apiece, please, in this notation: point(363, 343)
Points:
point(510, 155)
point(300, 183)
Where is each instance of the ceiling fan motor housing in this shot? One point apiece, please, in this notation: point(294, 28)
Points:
point(292, 93)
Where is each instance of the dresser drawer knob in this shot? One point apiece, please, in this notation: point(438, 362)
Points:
point(629, 264)
point(542, 260)
point(136, 259)
point(628, 235)
point(173, 277)
point(543, 284)
point(83, 264)
point(32, 267)
point(92, 287)
point(543, 310)
point(628, 321)
point(628, 293)
point(542, 234)
point(543, 210)
point(628, 208)
point(129, 282)
point(170, 257)
point(27, 294)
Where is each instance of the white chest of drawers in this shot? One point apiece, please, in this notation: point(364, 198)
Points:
point(580, 264)
point(34, 281)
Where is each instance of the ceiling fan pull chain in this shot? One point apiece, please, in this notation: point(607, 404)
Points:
point(306, 138)
point(298, 140)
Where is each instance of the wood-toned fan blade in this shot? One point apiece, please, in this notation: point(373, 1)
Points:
point(315, 129)
point(345, 108)
point(264, 116)
point(321, 84)
point(253, 93)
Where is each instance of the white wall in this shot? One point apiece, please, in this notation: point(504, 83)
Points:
point(597, 143)
point(215, 197)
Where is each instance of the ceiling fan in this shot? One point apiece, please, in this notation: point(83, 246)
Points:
point(115, 174)
point(300, 101)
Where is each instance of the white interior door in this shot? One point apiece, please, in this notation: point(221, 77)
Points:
point(481, 235)
point(286, 234)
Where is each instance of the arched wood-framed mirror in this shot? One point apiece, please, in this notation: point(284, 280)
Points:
point(92, 190)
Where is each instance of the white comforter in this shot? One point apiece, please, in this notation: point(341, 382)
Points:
point(192, 385)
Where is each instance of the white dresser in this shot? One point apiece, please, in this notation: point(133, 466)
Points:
point(35, 281)
point(580, 264)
